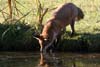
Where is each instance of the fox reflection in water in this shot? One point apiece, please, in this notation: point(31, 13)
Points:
point(50, 60)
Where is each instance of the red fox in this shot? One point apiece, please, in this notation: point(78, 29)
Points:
point(64, 15)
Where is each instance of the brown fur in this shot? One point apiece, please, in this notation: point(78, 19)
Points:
point(64, 15)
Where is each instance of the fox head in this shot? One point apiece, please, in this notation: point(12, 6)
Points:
point(42, 41)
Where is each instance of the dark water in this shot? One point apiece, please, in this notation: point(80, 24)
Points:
point(36, 59)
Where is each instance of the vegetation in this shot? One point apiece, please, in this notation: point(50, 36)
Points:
point(17, 36)
point(21, 20)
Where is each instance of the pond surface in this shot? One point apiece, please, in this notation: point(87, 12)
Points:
point(36, 59)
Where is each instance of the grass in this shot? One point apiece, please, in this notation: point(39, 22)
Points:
point(17, 36)
point(87, 30)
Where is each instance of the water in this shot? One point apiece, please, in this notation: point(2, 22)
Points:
point(36, 59)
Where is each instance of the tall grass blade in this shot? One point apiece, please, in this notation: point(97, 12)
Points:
point(19, 3)
point(4, 33)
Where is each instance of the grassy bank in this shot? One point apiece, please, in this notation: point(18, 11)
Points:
point(18, 36)
point(81, 42)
